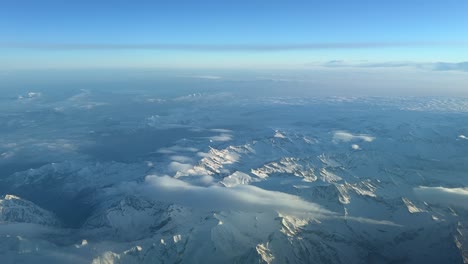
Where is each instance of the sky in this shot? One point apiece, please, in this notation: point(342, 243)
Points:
point(254, 33)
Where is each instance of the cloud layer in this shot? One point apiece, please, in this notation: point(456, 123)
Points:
point(434, 66)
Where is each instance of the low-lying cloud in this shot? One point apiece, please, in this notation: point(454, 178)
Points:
point(443, 196)
point(239, 197)
point(445, 66)
point(344, 136)
point(221, 138)
point(431, 66)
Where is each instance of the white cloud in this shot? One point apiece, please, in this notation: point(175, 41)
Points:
point(355, 147)
point(175, 149)
point(239, 197)
point(208, 77)
point(30, 96)
point(58, 145)
point(371, 221)
point(155, 100)
point(344, 136)
point(203, 154)
point(198, 97)
point(180, 167)
point(221, 130)
point(438, 66)
point(29, 229)
point(6, 155)
point(182, 159)
point(33, 94)
point(221, 138)
point(443, 196)
point(40, 150)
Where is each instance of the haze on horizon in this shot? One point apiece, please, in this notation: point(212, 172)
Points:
point(362, 42)
point(242, 33)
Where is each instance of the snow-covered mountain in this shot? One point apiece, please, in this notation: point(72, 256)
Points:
point(209, 179)
point(13, 209)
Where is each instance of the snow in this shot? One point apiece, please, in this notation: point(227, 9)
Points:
point(14, 209)
point(83, 243)
point(265, 253)
point(177, 238)
point(236, 178)
point(279, 134)
point(355, 147)
point(411, 207)
point(331, 183)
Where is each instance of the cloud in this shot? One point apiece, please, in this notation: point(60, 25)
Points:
point(343, 136)
point(221, 138)
point(199, 97)
point(437, 66)
point(364, 220)
point(7, 155)
point(38, 151)
point(182, 159)
point(443, 196)
point(239, 197)
point(30, 229)
point(208, 77)
point(361, 64)
point(221, 130)
point(203, 154)
point(227, 47)
point(176, 149)
point(445, 66)
point(180, 167)
point(30, 96)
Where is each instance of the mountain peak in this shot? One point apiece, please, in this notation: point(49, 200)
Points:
point(14, 209)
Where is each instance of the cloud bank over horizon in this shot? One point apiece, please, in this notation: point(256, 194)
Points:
point(430, 66)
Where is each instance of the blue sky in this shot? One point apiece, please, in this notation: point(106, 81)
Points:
point(229, 33)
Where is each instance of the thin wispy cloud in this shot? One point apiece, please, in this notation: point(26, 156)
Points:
point(346, 64)
point(227, 47)
point(445, 66)
point(443, 196)
point(435, 66)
